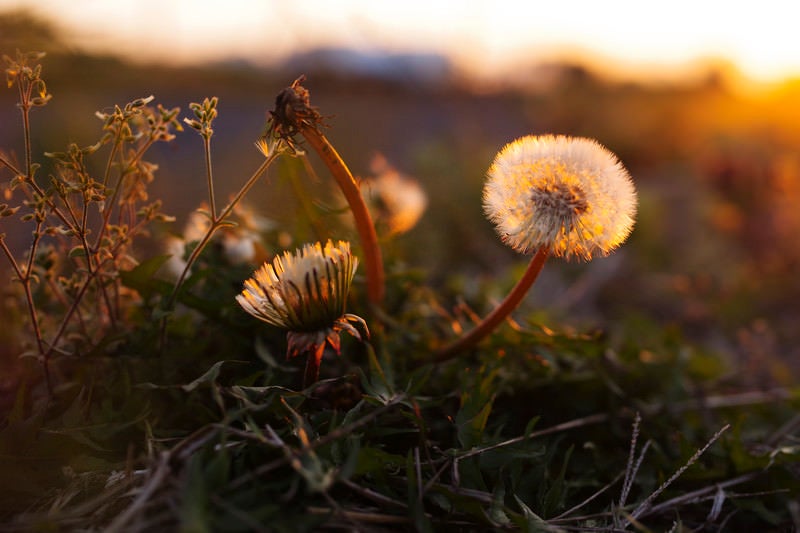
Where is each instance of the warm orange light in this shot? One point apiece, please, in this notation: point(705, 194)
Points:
point(485, 37)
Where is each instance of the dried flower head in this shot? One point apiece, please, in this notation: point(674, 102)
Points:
point(293, 111)
point(570, 195)
point(305, 293)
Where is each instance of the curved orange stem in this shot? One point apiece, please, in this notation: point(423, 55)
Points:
point(493, 319)
point(373, 261)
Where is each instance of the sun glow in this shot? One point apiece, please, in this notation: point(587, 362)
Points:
point(485, 38)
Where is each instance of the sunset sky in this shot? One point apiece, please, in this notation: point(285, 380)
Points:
point(484, 37)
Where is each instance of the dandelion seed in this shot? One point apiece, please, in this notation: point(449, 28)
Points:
point(305, 293)
point(570, 195)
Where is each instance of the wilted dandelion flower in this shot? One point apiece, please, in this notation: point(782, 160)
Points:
point(394, 199)
point(570, 195)
point(305, 293)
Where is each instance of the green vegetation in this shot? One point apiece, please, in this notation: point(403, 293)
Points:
point(141, 397)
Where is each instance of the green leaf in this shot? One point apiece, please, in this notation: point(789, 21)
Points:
point(476, 405)
point(77, 251)
point(351, 464)
point(531, 424)
point(470, 428)
point(142, 277)
point(376, 461)
point(195, 508)
point(378, 383)
point(421, 521)
point(554, 497)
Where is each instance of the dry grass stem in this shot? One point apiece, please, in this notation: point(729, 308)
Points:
point(646, 504)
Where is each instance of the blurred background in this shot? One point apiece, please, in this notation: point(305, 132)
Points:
point(702, 106)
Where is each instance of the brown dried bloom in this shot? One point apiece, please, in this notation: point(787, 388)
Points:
point(293, 110)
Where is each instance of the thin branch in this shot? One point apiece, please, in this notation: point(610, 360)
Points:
point(10, 165)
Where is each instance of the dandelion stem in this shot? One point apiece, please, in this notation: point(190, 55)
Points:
point(366, 229)
point(488, 324)
point(311, 375)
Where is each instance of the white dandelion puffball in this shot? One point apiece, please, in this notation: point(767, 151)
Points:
point(568, 194)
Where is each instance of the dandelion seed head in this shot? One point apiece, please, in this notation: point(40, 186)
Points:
point(568, 194)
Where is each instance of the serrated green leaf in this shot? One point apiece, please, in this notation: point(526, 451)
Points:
point(144, 270)
point(351, 463)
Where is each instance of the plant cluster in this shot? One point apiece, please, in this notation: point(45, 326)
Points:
point(432, 419)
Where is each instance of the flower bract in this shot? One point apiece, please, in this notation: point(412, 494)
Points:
point(568, 194)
